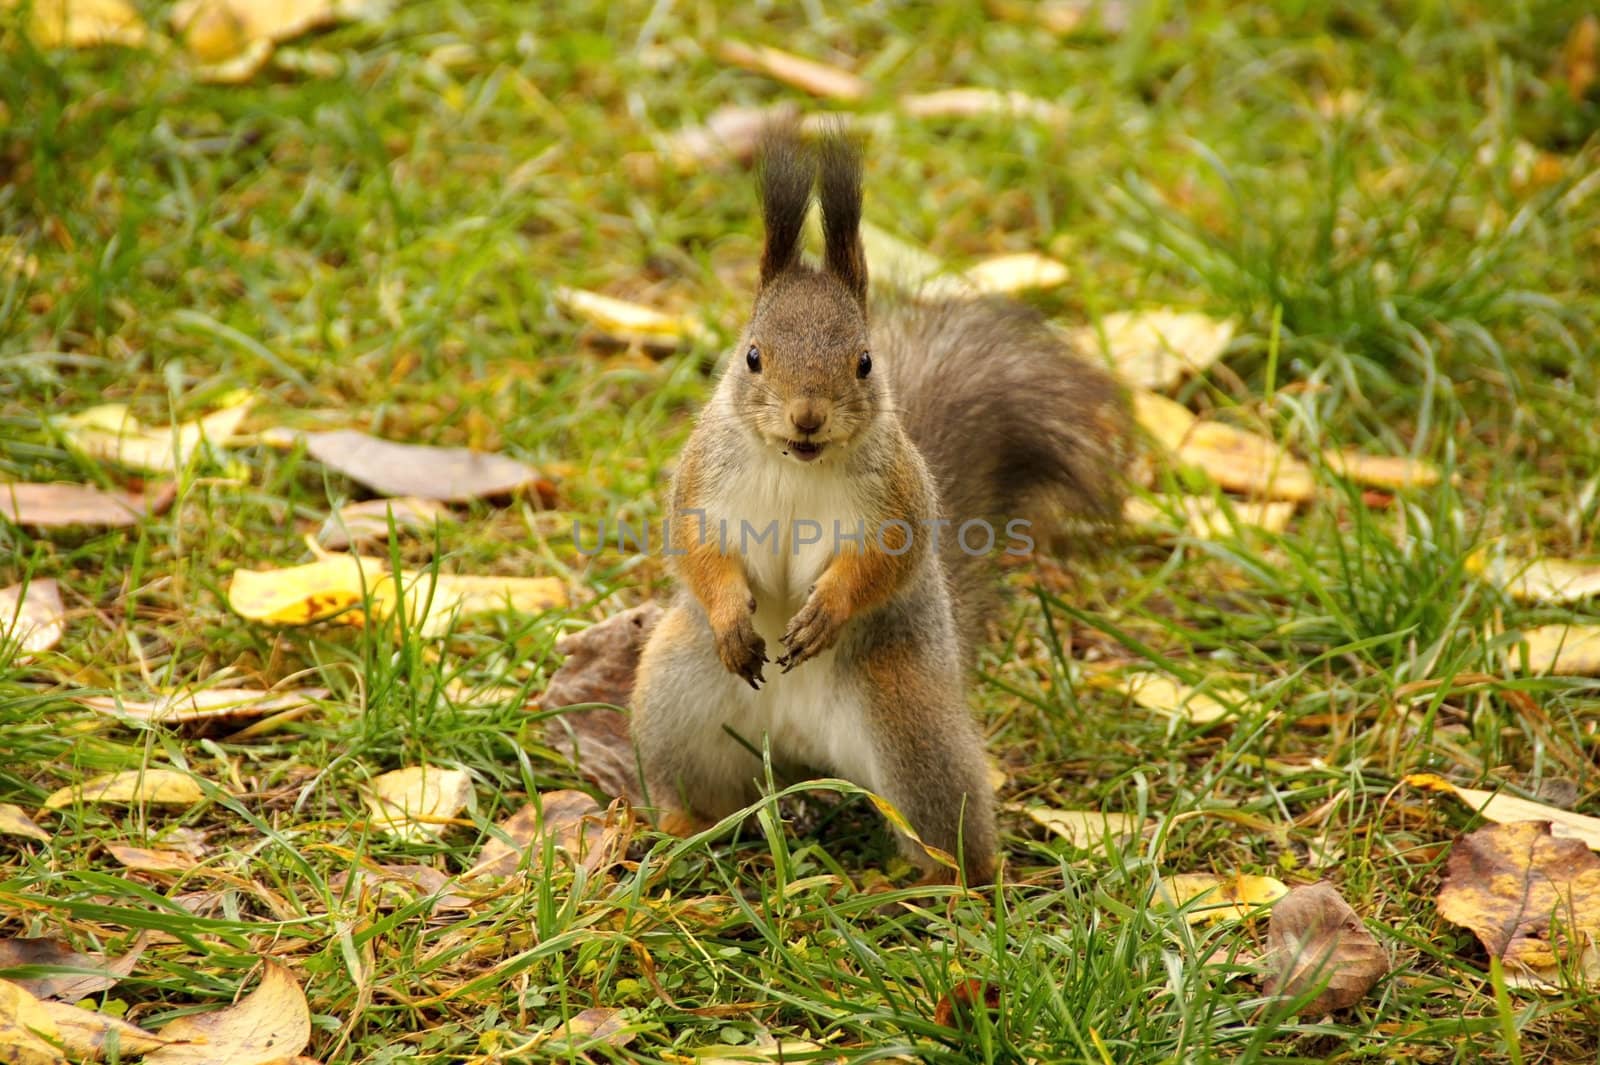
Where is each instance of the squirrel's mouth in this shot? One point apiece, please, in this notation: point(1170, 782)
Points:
point(804, 450)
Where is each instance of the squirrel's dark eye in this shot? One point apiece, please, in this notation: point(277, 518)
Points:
point(864, 364)
point(752, 359)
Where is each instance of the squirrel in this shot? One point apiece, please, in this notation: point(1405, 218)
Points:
point(817, 510)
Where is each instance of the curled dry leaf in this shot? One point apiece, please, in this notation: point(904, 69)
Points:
point(111, 433)
point(28, 1034)
point(976, 102)
point(32, 617)
point(1238, 460)
point(1568, 650)
point(271, 1024)
point(440, 474)
point(1087, 829)
point(819, 79)
point(624, 322)
point(955, 1007)
point(1208, 898)
point(83, 23)
point(1508, 809)
point(600, 665)
point(206, 711)
point(1316, 941)
point(13, 822)
point(416, 803)
point(1206, 517)
point(50, 506)
point(1532, 899)
point(570, 821)
point(161, 787)
point(596, 1026)
point(88, 1035)
point(1538, 580)
point(81, 975)
point(151, 860)
point(369, 521)
point(1381, 471)
point(1155, 349)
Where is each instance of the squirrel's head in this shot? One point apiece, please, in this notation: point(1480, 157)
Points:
point(802, 375)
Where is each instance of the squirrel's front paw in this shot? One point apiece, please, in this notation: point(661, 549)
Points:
point(742, 650)
point(812, 631)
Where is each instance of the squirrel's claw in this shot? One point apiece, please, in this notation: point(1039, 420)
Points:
point(810, 632)
point(743, 652)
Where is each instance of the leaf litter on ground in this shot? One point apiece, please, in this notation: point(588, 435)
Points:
point(418, 803)
point(1509, 809)
point(111, 433)
point(156, 787)
point(1316, 941)
point(56, 505)
point(32, 616)
point(418, 471)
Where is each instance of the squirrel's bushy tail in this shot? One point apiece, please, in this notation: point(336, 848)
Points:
point(1012, 424)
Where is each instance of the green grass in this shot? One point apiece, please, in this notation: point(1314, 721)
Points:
point(1408, 191)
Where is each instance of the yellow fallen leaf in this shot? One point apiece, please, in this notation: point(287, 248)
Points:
point(199, 707)
point(1212, 898)
point(1538, 580)
point(1237, 460)
point(1086, 829)
point(28, 1034)
point(415, 804)
point(1381, 471)
point(13, 822)
point(234, 39)
point(1568, 650)
point(32, 618)
point(111, 433)
point(974, 102)
point(271, 1024)
point(1533, 901)
point(86, 1033)
point(1002, 275)
point(335, 586)
point(303, 594)
point(1205, 518)
point(819, 79)
point(1164, 695)
point(624, 321)
point(1155, 349)
point(84, 23)
point(165, 787)
point(1508, 809)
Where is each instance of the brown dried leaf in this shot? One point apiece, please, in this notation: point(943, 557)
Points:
point(13, 822)
point(819, 79)
point(32, 617)
point(954, 1008)
point(1532, 899)
point(600, 665)
point(90, 974)
point(147, 860)
point(597, 1026)
point(1568, 650)
point(1508, 809)
point(570, 820)
point(441, 474)
point(49, 506)
point(368, 521)
point(271, 1024)
point(1315, 939)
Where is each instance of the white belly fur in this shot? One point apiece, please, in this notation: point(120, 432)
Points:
point(811, 715)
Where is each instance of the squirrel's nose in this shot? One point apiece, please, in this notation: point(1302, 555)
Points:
point(807, 415)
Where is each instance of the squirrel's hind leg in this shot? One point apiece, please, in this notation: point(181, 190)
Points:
point(694, 772)
point(929, 755)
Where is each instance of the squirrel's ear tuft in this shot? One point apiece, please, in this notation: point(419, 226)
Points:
point(787, 172)
point(840, 188)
